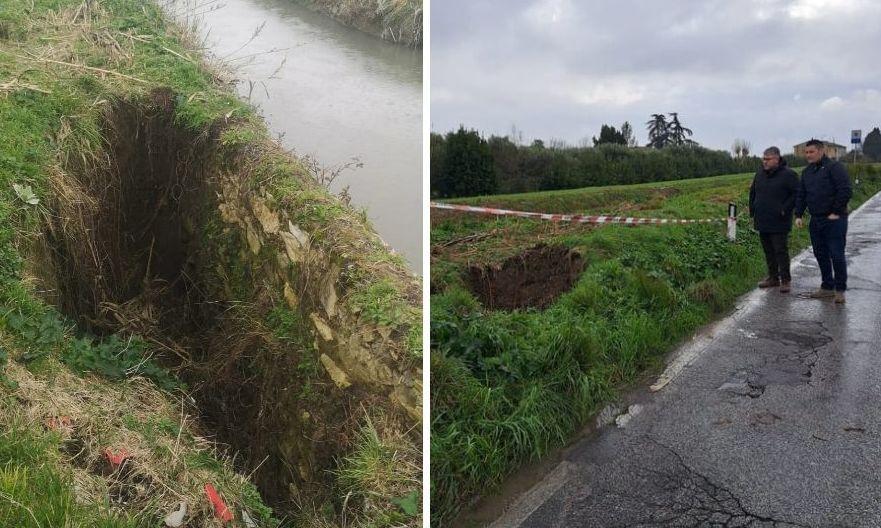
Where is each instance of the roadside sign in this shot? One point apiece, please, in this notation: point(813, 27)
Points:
point(856, 136)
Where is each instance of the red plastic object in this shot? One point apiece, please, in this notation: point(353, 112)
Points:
point(58, 423)
point(115, 459)
point(220, 509)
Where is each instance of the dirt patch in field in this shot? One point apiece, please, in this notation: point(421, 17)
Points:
point(668, 192)
point(534, 278)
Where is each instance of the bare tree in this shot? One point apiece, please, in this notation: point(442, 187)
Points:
point(627, 131)
point(557, 144)
point(516, 135)
point(741, 148)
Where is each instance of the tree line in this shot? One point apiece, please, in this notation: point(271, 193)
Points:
point(463, 163)
point(872, 145)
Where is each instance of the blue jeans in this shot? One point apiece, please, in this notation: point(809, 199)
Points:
point(828, 238)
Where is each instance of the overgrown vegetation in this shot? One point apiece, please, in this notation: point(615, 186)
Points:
point(508, 386)
point(37, 490)
point(465, 164)
point(371, 474)
point(398, 21)
point(78, 238)
point(60, 430)
point(114, 357)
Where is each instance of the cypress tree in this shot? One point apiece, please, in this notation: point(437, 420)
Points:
point(467, 168)
point(872, 145)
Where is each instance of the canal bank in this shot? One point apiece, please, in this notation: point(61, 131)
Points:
point(398, 21)
point(169, 277)
point(335, 94)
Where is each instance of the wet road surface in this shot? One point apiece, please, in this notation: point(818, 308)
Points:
point(772, 418)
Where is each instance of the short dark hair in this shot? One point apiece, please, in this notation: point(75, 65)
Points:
point(773, 151)
point(815, 143)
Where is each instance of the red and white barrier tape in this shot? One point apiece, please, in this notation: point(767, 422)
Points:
point(581, 219)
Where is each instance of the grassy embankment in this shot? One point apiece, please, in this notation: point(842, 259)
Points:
point(508, 386)
point(68, 71)
point(398, 21)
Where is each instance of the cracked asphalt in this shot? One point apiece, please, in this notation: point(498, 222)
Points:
point(776, 422)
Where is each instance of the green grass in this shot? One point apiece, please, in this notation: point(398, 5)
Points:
point(51, 120)
point(693, 198)
point(53, 117)
point(380, 303)
point(35, 489)
point(372, 475)
point(509, 386)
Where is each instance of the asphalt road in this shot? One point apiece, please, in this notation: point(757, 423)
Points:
point(770, 418)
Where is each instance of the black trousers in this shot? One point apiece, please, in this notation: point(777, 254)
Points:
point(776, 246)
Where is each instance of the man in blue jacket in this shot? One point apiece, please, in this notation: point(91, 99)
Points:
point(824, 191)
point(771, 200)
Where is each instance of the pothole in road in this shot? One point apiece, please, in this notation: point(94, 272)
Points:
point(799, 334)
point(792, 369)
point(534, 278)
point(789, 364)
point(744, 383)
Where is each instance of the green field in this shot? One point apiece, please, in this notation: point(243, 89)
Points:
point(508, 386)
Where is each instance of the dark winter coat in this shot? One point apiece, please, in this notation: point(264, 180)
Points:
point(824, 189)
point(772, 198)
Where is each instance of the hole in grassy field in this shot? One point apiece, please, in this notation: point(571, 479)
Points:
point(127, 256)
point(127, 486)
point(534, 278)
point(76, 450)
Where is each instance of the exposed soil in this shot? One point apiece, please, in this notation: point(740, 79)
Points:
point(124, 237)
point(128, 255)
point(534, 278)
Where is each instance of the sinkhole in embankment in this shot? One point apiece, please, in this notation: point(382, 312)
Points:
point(127, 252)
point(533, 278)
point(124, 233)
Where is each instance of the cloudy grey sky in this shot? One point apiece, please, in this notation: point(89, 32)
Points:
point(770, 71)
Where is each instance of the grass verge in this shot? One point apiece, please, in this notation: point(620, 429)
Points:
point(508, 386)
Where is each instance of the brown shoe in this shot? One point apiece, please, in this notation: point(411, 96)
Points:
point(769, 283)
point(784, 286)
point(821, 294)
point(839, 297)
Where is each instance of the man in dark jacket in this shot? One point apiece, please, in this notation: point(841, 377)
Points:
point(771, 200)
point(824, 191)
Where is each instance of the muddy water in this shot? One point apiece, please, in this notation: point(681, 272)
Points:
point(334, 94)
